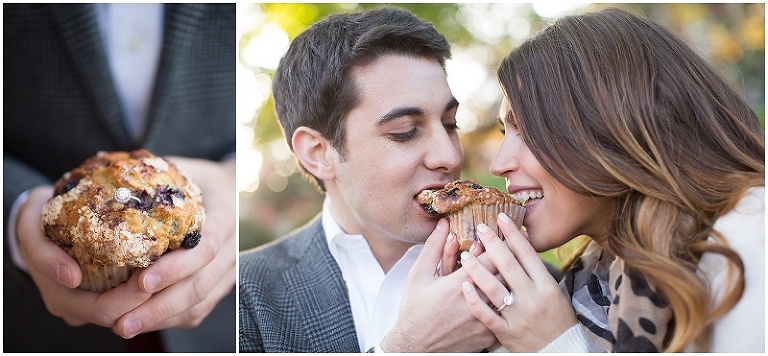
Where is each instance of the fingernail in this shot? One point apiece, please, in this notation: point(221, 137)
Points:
point(482, 228)
point(473, 247)
point(151, 282)
point(63, 275)
point(466, 286)
point(464, 255)
point(132, 328)
point(451, 236)
point(504, 219)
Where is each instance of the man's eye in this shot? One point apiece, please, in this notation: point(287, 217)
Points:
point(402, 137)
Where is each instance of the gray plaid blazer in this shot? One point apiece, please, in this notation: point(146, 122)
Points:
point(293, 297)
point(60, 106)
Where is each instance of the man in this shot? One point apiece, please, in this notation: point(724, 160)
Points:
point(75, 83)
point(366, 108)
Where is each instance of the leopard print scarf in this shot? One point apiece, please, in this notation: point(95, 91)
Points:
point(619, 311)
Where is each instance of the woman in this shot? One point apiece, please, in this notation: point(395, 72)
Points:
point(635, 141)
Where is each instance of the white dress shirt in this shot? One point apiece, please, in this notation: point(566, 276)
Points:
point(374, 296)
point(133, 38)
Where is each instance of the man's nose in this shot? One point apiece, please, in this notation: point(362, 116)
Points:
point(445, 153)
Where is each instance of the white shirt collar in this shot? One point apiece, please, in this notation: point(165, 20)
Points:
point(331, 227)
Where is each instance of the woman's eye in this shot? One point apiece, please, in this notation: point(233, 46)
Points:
point(512, 126)
point(502, 128)
point(451, 127)
point(402, 137)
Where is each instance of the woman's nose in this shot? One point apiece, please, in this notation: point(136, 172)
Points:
point(506, 159)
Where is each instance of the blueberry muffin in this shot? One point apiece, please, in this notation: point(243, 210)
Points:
point(466, 203)
point(119, 211)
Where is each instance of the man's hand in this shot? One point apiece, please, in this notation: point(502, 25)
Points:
point(434, 317)
point(179, 290)
point(187, 284)
point(57, 275)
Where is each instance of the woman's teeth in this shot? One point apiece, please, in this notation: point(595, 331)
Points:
point(523, 197)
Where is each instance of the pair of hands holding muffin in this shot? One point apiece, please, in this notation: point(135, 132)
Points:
point(520, 270)
point(178, 290)
point(487, 273)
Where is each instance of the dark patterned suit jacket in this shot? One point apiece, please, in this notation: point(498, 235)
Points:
point(293, 297)
point(60, 106)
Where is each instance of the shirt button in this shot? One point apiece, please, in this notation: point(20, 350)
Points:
point(134, 43)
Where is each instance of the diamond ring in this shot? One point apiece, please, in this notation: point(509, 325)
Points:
point(508, 300)
point(123, 195)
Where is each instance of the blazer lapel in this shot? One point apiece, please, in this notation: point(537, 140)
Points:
point(80, 35)
point(182, 22)
point(321, 298)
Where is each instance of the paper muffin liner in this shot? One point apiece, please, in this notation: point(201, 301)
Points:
point(102, 278)
point(464, 222)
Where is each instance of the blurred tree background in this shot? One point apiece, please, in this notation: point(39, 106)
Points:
point(275, 198)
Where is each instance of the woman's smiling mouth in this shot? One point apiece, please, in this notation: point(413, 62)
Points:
point(523, 196)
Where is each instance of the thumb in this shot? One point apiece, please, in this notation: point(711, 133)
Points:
point(425, 267)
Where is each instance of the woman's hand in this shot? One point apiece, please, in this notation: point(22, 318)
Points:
point(539, 313)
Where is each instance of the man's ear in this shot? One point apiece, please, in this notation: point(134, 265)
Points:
point(314, 152)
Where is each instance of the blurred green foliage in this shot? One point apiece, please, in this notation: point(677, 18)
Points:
point(730, 36)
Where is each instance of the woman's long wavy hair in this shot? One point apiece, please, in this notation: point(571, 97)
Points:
point(614, 105)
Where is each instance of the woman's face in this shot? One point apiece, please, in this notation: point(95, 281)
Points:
point(554, 214)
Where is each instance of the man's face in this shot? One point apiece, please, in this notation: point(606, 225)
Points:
point(399, 140)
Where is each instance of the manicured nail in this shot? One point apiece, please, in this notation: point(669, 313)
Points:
point(473, 248)
point(451, 236)
point(466, 287)
point(482, 228)
point(151, 282)
point(63, 275)
point(132, 328)
point(442, 224)
point(504, 219)
point(465, 255)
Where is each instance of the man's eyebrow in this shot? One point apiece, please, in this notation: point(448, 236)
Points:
point(411, 111)
point(400, 112)
point(453, 103)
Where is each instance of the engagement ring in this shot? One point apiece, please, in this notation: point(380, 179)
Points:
point(508, 300)
point(123, 195)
